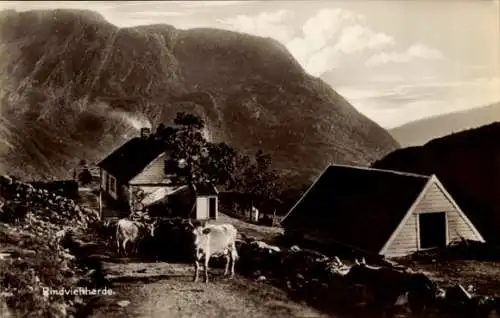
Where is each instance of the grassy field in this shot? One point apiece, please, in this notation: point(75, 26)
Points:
point(259, 232)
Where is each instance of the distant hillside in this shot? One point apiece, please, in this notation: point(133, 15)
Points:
point(421, 131)
point(74, 85)
point(468, 164)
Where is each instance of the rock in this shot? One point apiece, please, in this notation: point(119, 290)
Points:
point(4, 309)
point(6, 294)
point(99, 257)
point(4, 256)
point(123, 303)
point(5, 179)
point(78, 300)
point(90, 273)
point(68, 256)
point(61, 308)
point(265, 246)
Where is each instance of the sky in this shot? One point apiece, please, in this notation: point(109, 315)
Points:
point(396, 61)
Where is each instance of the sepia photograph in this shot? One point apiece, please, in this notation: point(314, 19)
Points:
point(279, 158)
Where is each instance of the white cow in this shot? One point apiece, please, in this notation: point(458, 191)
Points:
point(214, 240)
point(130, 231)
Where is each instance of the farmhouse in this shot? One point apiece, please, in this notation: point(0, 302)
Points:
point(382, 212)
point(138, 174)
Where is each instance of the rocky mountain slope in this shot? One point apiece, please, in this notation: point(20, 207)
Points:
point(75, 86)
point(468, 164)
point(421, 131)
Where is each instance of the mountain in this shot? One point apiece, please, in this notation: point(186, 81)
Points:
point(419, 132)
point(75, 86)
point(468, 164)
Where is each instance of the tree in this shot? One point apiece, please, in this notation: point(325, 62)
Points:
point(259, 180)
point(221, 164)
point(187, 146)
point(200, 161)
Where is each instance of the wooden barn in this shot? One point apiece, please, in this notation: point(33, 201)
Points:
point(138, 174)
point(380, 212)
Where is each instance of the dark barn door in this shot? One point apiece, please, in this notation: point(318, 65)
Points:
point(432, 229)
point(211, 208)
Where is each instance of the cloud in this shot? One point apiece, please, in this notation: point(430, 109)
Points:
point(158, 14)
point(321, 41)
point(393, 105)
point(267, 24)
point(417, 50)
point(322, 28)
point(382, 78)
point(357, 38)
point(212, 3)
point(40, 5)
point(331, 34)
point(323, 60)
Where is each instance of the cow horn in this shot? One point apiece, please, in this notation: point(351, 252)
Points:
point(356, 261)
point(363, 261)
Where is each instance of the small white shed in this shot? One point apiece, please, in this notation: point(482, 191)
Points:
point(207, 203)
point(253, 214)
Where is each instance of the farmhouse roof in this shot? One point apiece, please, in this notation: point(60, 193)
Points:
point(357, 206)
point(181, 202)
point(132, 157)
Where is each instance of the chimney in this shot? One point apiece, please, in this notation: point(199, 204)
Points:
point(145, 132)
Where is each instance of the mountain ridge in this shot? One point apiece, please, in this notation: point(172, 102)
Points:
point(421, 131)
point(74, 86)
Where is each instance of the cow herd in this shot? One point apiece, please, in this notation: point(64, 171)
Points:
point(207, 241)
point(384, 287)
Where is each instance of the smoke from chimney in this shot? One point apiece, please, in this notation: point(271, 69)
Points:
point(136, 120)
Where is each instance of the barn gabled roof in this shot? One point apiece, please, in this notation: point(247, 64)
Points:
point(132, 157)
point(357, 206)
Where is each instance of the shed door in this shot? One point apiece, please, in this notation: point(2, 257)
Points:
point(432, 229)
point(211, 208)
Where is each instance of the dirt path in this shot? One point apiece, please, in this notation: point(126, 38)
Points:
point(166, 290)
